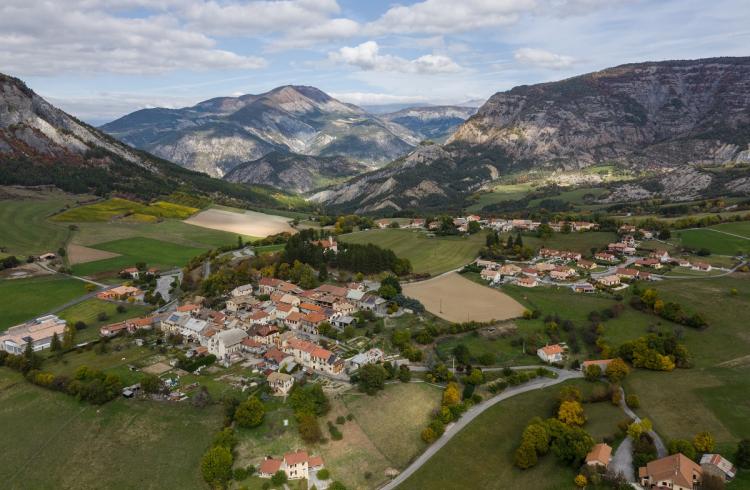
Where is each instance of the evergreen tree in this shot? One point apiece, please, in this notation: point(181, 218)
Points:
point(55, 345)
point(519, 241)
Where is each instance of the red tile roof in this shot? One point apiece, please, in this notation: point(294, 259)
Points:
point(296, 457)
point(270, 466)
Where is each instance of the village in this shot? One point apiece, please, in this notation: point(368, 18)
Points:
point(272, 335)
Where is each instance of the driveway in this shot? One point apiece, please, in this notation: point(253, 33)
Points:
point(473, 413)
point(622, 461)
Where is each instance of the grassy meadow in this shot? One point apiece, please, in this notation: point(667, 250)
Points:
point(717, 239)
point(431, 255)
point(155, 253)
point(118, 208)
point(25, 299)
point(59, 442)
point(88, 312)
point(25, 227)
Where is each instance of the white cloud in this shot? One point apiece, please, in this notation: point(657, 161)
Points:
point(543, 59)
point(59, 38)
point(321, 32)
point(367, 57)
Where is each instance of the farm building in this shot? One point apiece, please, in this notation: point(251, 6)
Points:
point(39, 332)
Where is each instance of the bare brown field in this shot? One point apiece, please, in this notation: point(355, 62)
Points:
point(249, 223)
point(457, 299)
point(79, 254)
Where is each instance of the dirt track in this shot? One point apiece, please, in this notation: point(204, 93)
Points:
point(457, 299)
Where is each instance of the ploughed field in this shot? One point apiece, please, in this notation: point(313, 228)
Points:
point(457, 299)
point(249, 223)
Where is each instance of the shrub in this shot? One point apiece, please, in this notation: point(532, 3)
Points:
point(340, 420)
point(250, 413)
point(324, 474)
point(633, 401)
point(216, 466)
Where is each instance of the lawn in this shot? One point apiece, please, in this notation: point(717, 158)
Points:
point(481, 455)
point(59, 442)
point(713, 240)
point(581, 242)
point(88, 312)
point(25, 228)
point(431, 255)
point(25, 299)
point(505, 354)
point(118, 208)
point(155, 253)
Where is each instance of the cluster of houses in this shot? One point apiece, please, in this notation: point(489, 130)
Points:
point(557, 265)
point(499, 224)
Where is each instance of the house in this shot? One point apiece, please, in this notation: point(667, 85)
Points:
point(675, 472)
point(311, 321)
point(383, 223)
point(550, 353)
point(374, 303)
point(226, 342)
point(120, 293)
point(527, 282)
point(544, 266)
point(296, 465)
point(660, 255)
point(684, 263)
point(530, 272)
point(417, 223)
point(264, 334)
point(650, 262)
point(626, 229)
point(371, 356)
point(280, 383)
point(48, 256)
point(487, 264)
point(600, 455)
point(329, 245)
point(606, 257)
point(312, 356)
point(293, 320)
point(716, 465)
point(333, 290)
point(38, 332)
point(583, 287)
point(244, 290)
point(626, 273)
point(239, 303)
point(189, 308)
point(602, 363)
point(562, 273)
point(509, 270)
point(342, 321)
point(609, 281)
point(490, 275)
point(129, 326)
point(621, 248)
point(701, 266)
point(583, 226)
point(131, 272)
point(586, 264)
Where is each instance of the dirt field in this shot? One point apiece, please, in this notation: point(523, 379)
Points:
point(249, 223)
point(458, 299)
point(78, 254)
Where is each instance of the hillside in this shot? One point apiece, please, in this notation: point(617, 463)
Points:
point(294, 172)
point(216, 135)
point(665, 121)
point(42, 145)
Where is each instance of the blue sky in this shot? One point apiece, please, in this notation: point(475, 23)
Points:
point(100, 59)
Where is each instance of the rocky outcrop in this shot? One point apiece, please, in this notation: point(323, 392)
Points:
point(216, 135)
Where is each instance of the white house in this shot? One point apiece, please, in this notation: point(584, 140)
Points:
point(226, 342)
point(550, 353)
point(280, 383)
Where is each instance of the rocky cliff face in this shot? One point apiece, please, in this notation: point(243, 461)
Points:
point(216, 135)
point(670, 118)
point(646, 114)
point(294, 172)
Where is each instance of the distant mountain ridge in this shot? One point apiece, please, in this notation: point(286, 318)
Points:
point(669, 117)
point(432, 122)
point(42, 145)
point(216, 135)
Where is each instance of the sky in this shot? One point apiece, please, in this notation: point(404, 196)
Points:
point(101, 59)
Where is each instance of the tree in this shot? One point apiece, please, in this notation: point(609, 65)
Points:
point(404, 374)
point(451, 395)
point(633, 401)
point(525, 456)
point(636, 429)
point(428, 435)
point(742, 456)
point(372, 378)
point(68, 337)
point(55, 344)
point(536, 436)
point(250, 413)
point(580, 481)
point(225, 438)
point(704, 442)
point(617, 370)
point(308, 427)
point(151, 383)
point(462, 354)
point(474, 227)
point(571, 413)
point(279, 478)
point(682, 446)
point(593, 372)
point(572, 445)
point(323, 474)
point(323, 272)
point(216, 466)
point(569, 393)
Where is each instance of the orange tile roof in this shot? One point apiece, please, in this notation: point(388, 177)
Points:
point(677, 467)
point(270, 466)
point(315, 317)
point(601, 453)
point(187, 307)
point(296, 457)
point(552, 349)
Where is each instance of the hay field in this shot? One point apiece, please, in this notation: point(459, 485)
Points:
point(79, 254)
point(248, 223)
point(457, 299)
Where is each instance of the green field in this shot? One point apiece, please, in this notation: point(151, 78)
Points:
point(61, 443)
point(88, 311)
point(432, 255)
point(715, 241)
point(118, 208)
point(481, 455)
point(500, 193)
point(505, 354)
point(155, 253)
point(25, 299)
point(581, 242)
point(25, 228)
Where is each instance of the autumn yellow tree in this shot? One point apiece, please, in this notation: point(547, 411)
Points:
point(616, 370)
point(580, 481)
point(571, 413)
point(704, 442)
point(451, 395)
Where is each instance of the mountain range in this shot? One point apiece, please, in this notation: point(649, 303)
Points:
point(217, 135)
point(667, 119)
point(42, 145)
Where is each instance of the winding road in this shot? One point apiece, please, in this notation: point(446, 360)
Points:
point(474, 412)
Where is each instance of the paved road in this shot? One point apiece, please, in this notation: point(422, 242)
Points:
point(661, 448)
point(473, 413)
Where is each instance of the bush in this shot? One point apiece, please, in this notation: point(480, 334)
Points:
point(633, 401)
point(340, 420)
point(216, 466)
point(250, 413)
point(336, 434)
point(324, 474)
